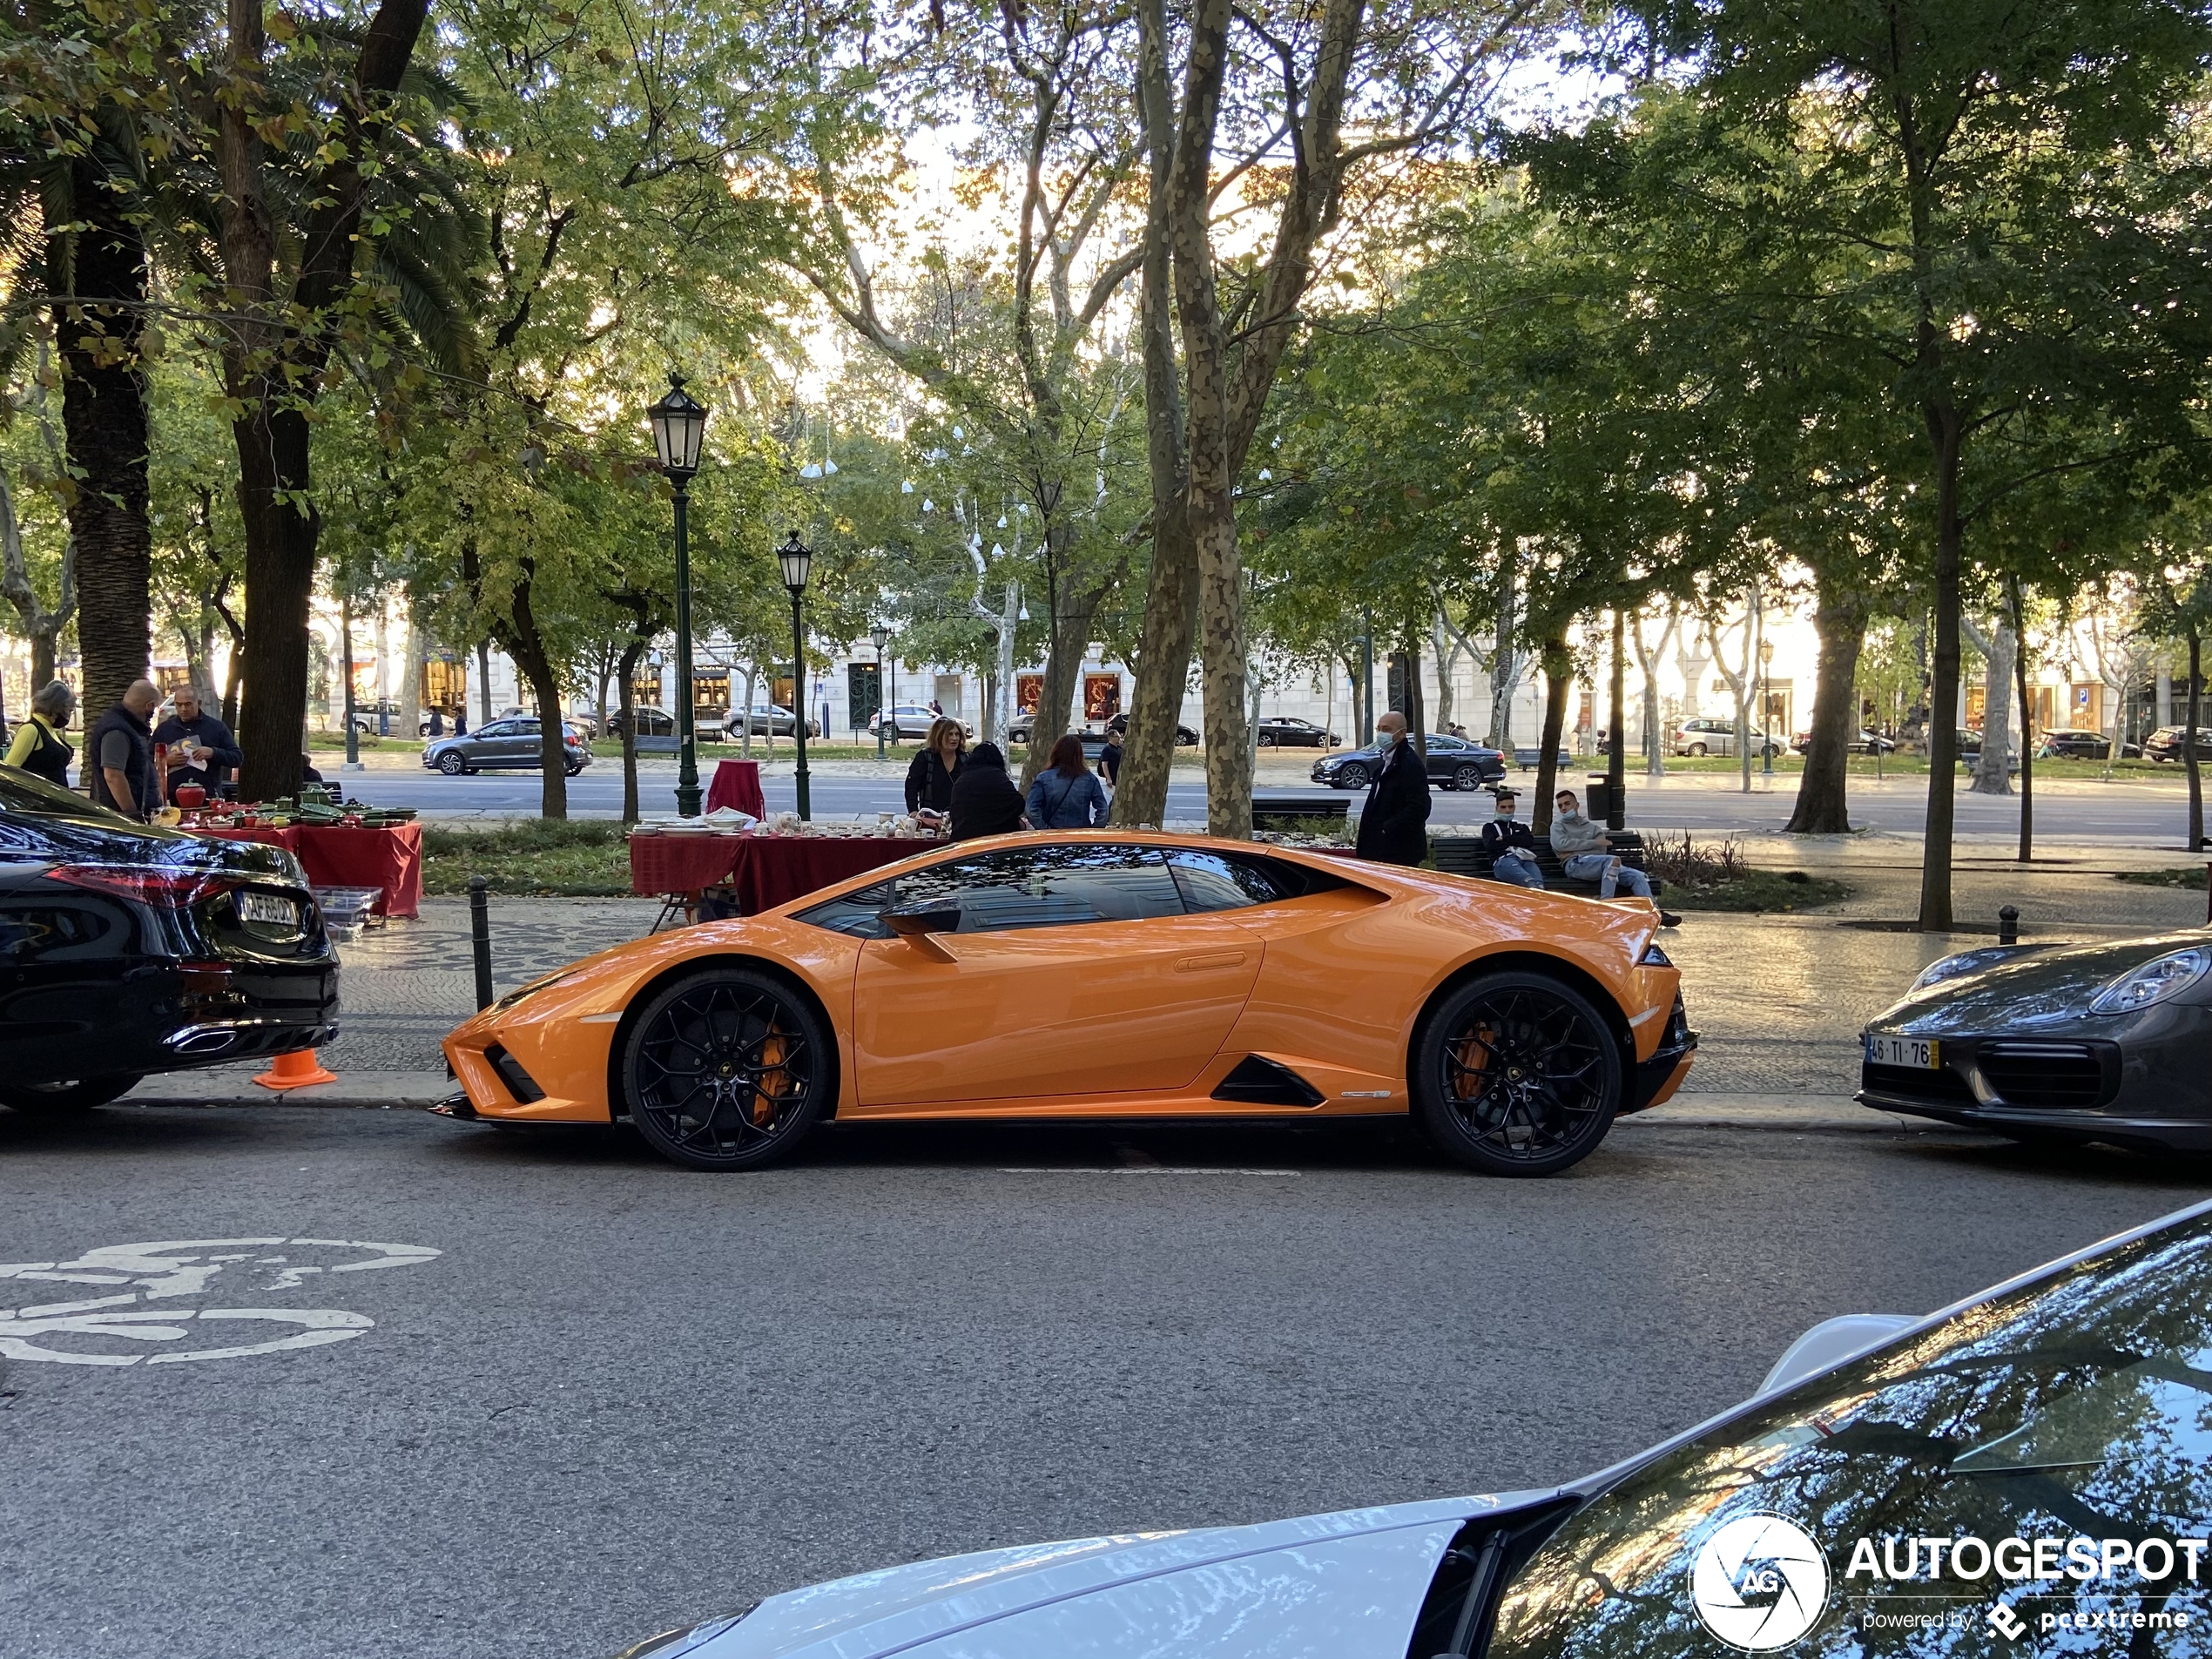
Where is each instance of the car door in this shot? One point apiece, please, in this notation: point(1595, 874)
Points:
point(1445, 755)
point(1075, 970)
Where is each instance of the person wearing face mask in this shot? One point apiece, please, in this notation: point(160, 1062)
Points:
point(1586, 854)
point(1393, 824)
point(1510, 848)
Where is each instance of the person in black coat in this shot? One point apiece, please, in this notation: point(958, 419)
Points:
point(1393, 824)
point(937, 767)
point(985, 801)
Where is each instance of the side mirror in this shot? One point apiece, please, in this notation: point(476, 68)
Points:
point(1831, 1343)
point(919, 927)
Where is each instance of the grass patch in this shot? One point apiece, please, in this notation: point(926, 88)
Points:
point(1716, 875)
point(569, 859)
point(2191, 877)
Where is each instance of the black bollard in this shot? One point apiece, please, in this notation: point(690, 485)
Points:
point(479, 936)
point(2008, 925)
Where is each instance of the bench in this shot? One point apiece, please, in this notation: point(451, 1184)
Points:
point(1466, 855)
point(1530, 755)
point(1279, 812)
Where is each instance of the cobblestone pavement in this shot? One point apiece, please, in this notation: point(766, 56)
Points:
point(1778, 1000)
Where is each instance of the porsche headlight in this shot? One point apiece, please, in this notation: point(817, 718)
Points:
point(1967, 961)
point(2157, 980)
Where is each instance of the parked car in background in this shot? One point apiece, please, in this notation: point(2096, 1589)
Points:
point(127, 949)
point(2074, 742)
point(500, 745)
point(1868, 742)
point(1287, 731)
point(1706, 736)
point(1454, 763)
point(767, 720)
point(911, 720)
point(652, 722)
point(1184, 737)
point(1970, 750)
point(2165, 745)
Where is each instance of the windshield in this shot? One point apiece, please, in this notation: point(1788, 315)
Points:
point(2036, 1469)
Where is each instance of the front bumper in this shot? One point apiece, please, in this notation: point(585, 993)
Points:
point(1654, 1082)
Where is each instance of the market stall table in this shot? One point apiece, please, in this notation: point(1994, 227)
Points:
point(761, 871)
point(387, 859)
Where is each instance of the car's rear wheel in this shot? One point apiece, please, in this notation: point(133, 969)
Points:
point(1696, 750)
point(1267, 739)
point(77, 1095)
point(1352, 778)
point(1516, 1073)
point(726, 1070)
point(451, 764)
point(1468, 777)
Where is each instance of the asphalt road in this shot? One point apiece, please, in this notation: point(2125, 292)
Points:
point(624, 1396)
point(2134, 814)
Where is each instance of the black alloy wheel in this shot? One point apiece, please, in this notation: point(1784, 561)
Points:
point(726, 1070)
point(1352, 776)
point(77, 1095)
point(452, 764)
point(1517, 1073)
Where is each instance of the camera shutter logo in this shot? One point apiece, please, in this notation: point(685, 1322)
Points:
point(1759, 1583)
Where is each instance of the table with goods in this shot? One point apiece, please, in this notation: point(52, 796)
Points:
point(349, 850)
point(702, 869)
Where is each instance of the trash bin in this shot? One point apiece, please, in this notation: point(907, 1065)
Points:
point(1597, 799)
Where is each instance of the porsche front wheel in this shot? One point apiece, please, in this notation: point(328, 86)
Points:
point(1516, 1073)
point(726, 1070)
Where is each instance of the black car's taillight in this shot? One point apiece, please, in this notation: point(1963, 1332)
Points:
point(166, 889)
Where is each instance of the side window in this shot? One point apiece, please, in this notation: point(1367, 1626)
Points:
point(1217, 882)
point(1047, 886)
point(854, 913)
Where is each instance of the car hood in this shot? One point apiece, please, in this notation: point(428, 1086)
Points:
point(1342, 1586)
point(2037, 988)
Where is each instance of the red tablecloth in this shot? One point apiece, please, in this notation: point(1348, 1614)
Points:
point(737, 783)
point(390, 859)
point(764, 871)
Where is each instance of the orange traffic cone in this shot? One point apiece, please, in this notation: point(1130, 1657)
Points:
point(295, 1071)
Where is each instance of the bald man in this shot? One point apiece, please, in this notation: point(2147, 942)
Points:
point(1393, 824)
point(118, 755)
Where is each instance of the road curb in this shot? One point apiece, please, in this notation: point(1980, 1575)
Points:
point(1823, 1114)
point(234, 1086)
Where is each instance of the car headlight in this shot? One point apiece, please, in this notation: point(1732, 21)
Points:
point(530, 989)
point(1967, 961)
point(1654, 957)
point(2158, 981)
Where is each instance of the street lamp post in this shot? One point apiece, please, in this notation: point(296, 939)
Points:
point(798, 559)
point(881, 635)
point(1766, 703)
point(679, 424)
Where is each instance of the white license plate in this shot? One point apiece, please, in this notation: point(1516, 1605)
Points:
point(1918, 1053)
point(268, 910)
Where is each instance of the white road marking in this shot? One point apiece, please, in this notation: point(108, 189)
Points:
point(164, 1270)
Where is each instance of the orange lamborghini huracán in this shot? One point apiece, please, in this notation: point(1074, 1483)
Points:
point(1107, 974)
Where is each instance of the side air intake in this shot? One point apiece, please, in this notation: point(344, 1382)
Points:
point(1257, 1081)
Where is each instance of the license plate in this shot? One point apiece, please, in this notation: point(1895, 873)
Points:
point(1916, 1054)
point(268, 910)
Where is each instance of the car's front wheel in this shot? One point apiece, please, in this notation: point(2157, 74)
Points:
point(1352, 778)
point(77, 1095)
point(451, 764)
point(726, 1070)
point(1697, 750)
point(1516, 1073)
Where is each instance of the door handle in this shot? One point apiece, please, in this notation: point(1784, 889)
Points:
point(1217, 959)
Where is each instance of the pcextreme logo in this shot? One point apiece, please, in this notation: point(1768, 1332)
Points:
point(1759, 1583)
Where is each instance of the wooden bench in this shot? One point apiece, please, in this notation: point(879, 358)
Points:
point(1529, 756)
point(1466, 855)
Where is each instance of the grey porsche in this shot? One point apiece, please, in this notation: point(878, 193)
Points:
point(2107, 1042)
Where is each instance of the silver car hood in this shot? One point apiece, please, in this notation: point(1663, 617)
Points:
point(1342, 1586)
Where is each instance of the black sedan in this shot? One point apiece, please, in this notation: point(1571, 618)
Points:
point(1454, 763)
point(2073, 742)
point(2088, 1043)
point(1285, 732)
point(2164, 746)
point(127, 949)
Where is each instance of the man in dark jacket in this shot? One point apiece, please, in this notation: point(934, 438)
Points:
point(201, 749)
point(1393, 824)
point(985, 800)
point(1512, 850)
point(118, 755)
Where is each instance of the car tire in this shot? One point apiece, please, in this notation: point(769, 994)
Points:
point(1467, 778)
point(63, 1099)
point(572, 771)
point(1563, 1082)
point(1697, 750)
point(696, 1044)
point(1267, 739)
point(452, 764)
point(1352, 778)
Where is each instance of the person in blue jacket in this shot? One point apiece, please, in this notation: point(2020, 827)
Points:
point(1066, 795)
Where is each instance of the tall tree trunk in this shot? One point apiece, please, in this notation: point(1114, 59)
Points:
point(2027, 721)
point(1616, 749)
point(281, 538)
point(483, 682)
point(104, 411)
point(410, 699)
point(1944, 426)
point(1993, 771)
point(1823, 808)
point(1654, 762)
point(626, 696)
point(2190, 757)
point(1064, 654)
point(1505, 663)
point(525, 645)
point(1559, 684)
point(1410, 696)
point(40, 625)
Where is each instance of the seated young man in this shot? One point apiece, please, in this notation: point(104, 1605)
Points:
point(1511, 847)
point(1585, 854)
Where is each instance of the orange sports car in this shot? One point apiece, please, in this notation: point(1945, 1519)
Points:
point(1106, 975)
